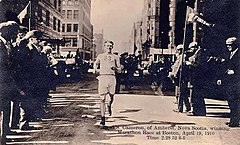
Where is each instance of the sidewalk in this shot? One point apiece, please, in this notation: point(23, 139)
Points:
point(149, 119)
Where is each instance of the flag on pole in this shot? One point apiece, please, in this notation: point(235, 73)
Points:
point(193, 16)
point(24, 12)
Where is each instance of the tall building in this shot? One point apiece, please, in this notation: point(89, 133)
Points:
point(163, 26)
point(150, 20)
point(77, 29)
point(98, 41)
point(155, 28)
point(43, 15)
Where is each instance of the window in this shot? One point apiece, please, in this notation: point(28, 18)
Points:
point(69, 14)
point(75, 14)
point(69, 27)
point(54, 23)
point(157, 11)
point(39, 15)
point(47, 18)
point(63, 13)
point(63, 27)
point(83, 43)
point(59, 25)
point(74, 43)
point(55, 4)
point(75, 27)
point(68, 42)
point(59, 5)
point(40, 12)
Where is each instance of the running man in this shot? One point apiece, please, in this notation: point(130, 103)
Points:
point(105, 65)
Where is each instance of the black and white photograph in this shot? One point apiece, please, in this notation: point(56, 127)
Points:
point(119, 72)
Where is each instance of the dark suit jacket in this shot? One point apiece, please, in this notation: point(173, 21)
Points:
point(7, 85)
point(233, 64)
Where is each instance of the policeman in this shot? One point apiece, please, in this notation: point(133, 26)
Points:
point(16, 56)
point(197, 62)
point(174, 74)
point(28, 70)
point(181, 72)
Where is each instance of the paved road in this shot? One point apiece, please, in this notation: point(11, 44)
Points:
point(136, 120)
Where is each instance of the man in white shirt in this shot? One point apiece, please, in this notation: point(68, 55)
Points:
point(105, 65)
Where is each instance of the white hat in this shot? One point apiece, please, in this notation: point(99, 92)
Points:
point(231, 40)
point(180, 46)
point(192, 44)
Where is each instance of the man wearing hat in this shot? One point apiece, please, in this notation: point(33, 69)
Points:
point(17, 59)
point(181, 91)
point(175, 67)
point(8, 33)
point(231, 81)
point(27, 78)
point(196, 60)
point(20, 58)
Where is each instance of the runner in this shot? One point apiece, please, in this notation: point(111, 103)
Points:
point(105, 65)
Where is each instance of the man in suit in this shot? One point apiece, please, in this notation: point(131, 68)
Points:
point(8, 33)
point(231, 81)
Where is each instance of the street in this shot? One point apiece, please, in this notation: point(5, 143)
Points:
point(139, 118)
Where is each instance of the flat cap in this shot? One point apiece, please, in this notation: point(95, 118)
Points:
point(180, 46)
point(192, 44)
point(33, 33)
point(231, 40)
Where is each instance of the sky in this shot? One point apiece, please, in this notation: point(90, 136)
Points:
point(115, 18)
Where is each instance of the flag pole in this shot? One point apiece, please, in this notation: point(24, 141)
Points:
point(182, 59)
point(30, 15)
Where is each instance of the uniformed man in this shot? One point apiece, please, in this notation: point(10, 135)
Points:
point(175, 67)
point(180, 73)
point(197, 61)
point(16, 58)
point(27, 103)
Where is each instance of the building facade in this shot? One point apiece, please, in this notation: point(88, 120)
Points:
point(43, 15)
point(77, 29)
point(154, 28)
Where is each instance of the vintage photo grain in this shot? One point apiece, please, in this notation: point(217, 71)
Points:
point(120, 72)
